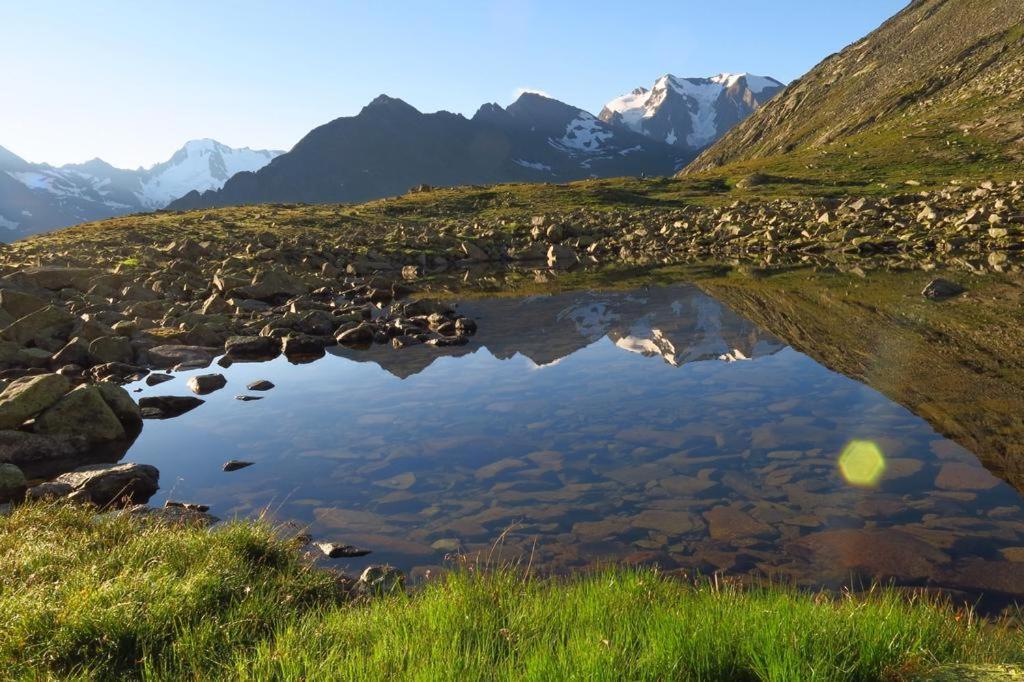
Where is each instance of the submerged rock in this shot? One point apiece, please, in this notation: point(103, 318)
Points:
point(235, 465)
point(336, 550)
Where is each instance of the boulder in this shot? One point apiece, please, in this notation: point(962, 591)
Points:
point(83, 412)
point(251, 346)
point(106, 484)
point(19, 304)
point(25, 398)
point(43, 456)
point(112, 349)
point(121, 404)
point(172, 355)
point(361, 333)
point(41, 327)
point(75, 352)
point(170, 515)
point(335, 550)
point(273, 284)
point(55, 278)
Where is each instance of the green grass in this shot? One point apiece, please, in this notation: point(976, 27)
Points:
point(116, 599)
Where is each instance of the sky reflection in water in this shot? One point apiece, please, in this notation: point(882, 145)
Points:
point(649, 426)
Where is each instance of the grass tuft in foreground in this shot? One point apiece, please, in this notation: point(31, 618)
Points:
point(115, 598)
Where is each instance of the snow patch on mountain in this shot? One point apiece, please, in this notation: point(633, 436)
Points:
point(584, 133)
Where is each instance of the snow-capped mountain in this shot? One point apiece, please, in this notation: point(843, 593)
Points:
point(390, 146)
point(691, 113)
point(35, 197)
point(200, 165)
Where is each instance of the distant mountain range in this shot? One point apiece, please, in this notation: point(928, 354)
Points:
point(389, 147)
point(35, 197)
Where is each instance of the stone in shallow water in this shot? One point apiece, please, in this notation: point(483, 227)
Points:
point(399, 482)
point(335, 550)
point(206, 383)
point(957, 476)
point(260, 385)
point(235, 465)
point(381, 580)
point(877, 553)
point(156, 379)
point(731, 523)
point(168, 406)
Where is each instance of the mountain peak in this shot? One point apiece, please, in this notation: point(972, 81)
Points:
point(690, 113)
point(384, 102)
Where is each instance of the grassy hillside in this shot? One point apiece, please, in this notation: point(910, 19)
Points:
point(934, 93)
point(117, 598)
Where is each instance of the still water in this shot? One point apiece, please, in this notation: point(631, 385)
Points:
point(651, 426)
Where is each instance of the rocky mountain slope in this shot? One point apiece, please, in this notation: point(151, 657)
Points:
point(36, 196)
point(934, 92)
point(691, 113)
point(390, 146)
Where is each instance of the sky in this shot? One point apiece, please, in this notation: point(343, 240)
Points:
point(131, 81)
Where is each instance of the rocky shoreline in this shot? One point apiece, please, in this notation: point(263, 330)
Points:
point(87, 309)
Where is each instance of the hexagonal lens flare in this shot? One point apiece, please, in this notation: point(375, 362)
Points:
point(862, 463)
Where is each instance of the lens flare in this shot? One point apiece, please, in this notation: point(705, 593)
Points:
point(862, 463)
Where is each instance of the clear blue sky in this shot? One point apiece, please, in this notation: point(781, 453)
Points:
point(131, 81)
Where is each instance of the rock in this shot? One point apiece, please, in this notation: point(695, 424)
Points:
point(188, 505)
point(381, 580)
point(28, 397)
point(172, 515)
point(157, 379)
point(335, 550)
point(474, 252)
point(20, 304)
point(251, 346)
point(40, 328)
point(83, 412)
point(360, 334)
point(122, 405)
point(732, 523)
point(956, 476)
point(876, 554)
point(75, 352)
point(43, 456)
point(561, 256)
point(941, 289)
point(273, 284)
point(248, 398)
point(56, 278)
point(206, 383)
point(236, 464)
point(173, 355)
point(12, 483)
point(112, 349)
point(118, 372)
point(107, 484)
point(302, 345)
point(167, 406)
point(260, 385)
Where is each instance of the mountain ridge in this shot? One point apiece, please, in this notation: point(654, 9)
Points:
point(933, 92)
point(390, 146)
point(35, 197)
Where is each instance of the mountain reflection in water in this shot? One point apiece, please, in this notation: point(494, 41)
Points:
point(651, 426)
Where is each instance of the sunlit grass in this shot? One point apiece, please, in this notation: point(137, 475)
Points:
point(114, 599)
